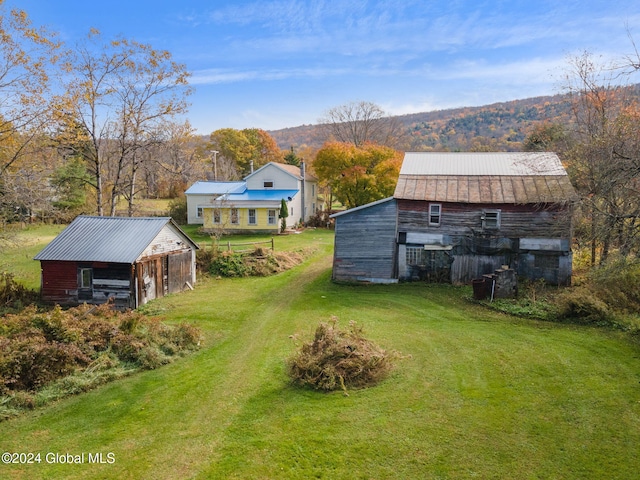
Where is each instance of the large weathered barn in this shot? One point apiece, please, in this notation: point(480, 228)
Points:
point(457, 216)
point(125, 260)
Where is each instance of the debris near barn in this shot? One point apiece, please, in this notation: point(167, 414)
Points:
point(260, 262)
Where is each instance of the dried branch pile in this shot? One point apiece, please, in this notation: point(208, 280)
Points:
point(339, 359)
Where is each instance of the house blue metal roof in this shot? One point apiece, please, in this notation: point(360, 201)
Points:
point(215, 188)
point(259, 195)
point(107, 239)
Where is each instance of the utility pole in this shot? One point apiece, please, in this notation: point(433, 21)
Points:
point(215, 164)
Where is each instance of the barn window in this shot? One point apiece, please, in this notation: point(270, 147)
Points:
point(235, 216)
point(414, 255)
point(546, 262)
point(435, 209)
point(491, 219)
point(216, 215)
point(272, 217)
point(268, 184)
point(252, 216)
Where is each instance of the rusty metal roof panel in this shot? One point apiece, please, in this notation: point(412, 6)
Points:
point(484, 178)
point(106, 239)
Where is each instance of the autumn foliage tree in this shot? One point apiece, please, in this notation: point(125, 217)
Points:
point(239, 150)
point(118, 96)
point(358, 175)
point(604, 161)
point(27, 57)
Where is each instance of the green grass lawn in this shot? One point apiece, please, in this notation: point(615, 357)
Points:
point(478, 394)
point(18, 246)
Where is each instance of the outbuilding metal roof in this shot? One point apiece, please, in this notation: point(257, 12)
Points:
point(484, 178)
point(107, 239)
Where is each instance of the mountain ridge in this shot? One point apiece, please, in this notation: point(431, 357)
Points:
point(500, 126)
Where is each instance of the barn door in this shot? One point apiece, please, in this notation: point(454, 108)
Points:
point(180, 265)
point(149, 281)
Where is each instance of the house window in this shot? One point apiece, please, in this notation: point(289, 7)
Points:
point(414, 255)
point(199, 212)
point(252, 216)
point(268, 184)
point(216, 216)
point(491, 219)
point(235, 216)
point(272, 217)
point(435, 209)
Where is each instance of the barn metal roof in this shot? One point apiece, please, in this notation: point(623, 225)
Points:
point(107, 239)
point(484, 178)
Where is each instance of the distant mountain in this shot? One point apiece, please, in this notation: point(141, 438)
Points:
point(496, 127)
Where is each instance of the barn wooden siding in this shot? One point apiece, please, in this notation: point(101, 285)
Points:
point(518, 221)
point(59, 282)
point(110, 281)
point(532, 238)
point(161, 275)
point(365, 244)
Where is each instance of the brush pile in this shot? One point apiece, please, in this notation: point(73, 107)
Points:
point(339, 359)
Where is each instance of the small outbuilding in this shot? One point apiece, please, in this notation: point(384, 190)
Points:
point(128, 261)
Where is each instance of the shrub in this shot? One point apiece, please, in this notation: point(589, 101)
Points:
point(581, 304)
point(178, 209)
point(617, 283)
point(60, 352)
point(228, 264)
point(339, 359)
point(13, 295)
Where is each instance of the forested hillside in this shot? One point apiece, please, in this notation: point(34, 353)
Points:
point(496, 127)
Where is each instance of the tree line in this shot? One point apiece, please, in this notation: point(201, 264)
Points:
point(95, 126)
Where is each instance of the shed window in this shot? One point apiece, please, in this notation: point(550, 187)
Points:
point(252, 216)
point(268, 184)
point(86, 277)
point(435, 209)
point(491, 219)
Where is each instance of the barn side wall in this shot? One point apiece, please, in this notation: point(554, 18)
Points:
point(533, 239)
point(365, 244)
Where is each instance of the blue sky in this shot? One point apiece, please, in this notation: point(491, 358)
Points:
point(273, 64)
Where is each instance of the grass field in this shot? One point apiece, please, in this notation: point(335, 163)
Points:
point(479, 394)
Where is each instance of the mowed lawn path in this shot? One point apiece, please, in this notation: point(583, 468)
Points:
point(478, 394)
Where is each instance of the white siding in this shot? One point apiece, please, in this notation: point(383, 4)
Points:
point(281, 180)
point(168, 240)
